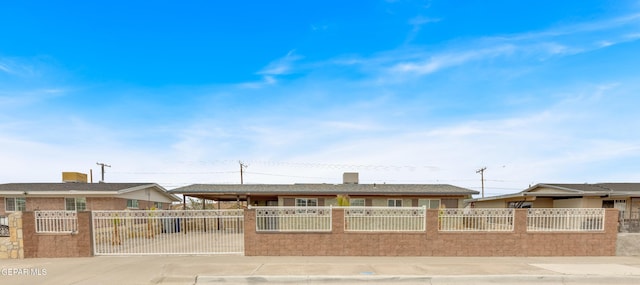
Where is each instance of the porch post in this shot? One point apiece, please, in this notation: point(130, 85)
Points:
point(204, 221)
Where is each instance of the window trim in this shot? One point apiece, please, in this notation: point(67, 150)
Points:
point(75, 204)
point(306, 202)
point(429, 202)
point(351, 200)
point(134, 204)
point(301, 208)
point(16, 207)
point(395, 203)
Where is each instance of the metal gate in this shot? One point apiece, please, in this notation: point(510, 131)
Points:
point(148, 232)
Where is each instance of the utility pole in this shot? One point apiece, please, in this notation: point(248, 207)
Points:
point(242, 168)
point(102, 165)
point(481, 171)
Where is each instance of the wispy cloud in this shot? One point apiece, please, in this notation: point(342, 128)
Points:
point(441, 61)
point(282, 65)
point(269, 73)
point(552, 43)
point(417, 23)
point(5, 68)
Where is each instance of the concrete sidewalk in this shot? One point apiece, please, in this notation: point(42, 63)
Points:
point(320, 270)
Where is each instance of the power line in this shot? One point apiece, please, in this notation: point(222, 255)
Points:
point(169, 172)
point(324, 165)
point(284, 175)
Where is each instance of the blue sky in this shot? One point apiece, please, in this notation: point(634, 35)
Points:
point(302, 91)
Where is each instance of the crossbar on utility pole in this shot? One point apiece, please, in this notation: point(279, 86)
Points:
point(102, 165)
point(242, 167)
point(481, 171)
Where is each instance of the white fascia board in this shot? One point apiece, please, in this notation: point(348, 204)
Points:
point(59, 193)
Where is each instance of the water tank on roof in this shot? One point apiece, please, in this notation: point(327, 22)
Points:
point(350, 178)
point(74, 177)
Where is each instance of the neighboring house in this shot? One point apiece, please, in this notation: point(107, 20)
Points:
point(623, 196)
point(81, 196)
point(300, 195)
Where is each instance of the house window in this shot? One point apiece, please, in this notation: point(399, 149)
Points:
point(157, 205)
point(520, 204)
point(75, 204)
point(306, 202)
point(132, 204)
point(429, 203)
point(356, 202)
point(15, 204)
point(394, 202)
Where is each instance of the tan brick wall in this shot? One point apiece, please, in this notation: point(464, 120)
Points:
point(57, 245)
point(110, 203)
point(2, 207)
point(93, 203)
point(44, 204)
point(105, 203)
point(431, 242)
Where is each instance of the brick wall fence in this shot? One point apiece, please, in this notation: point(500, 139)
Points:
point(432, 242)
point(57, 245)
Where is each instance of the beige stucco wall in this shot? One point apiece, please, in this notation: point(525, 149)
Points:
point(568, 203)
point(491, 204)
point(382, 202)
point(592, 202)
point(543, 203)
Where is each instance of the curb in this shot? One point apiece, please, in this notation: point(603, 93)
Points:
point(420, 279)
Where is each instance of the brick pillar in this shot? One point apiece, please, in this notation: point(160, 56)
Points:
point(520, 221)
point(29, 232)
point(84, 239)
point(250, 238)
point(611, 220)
point(433, 223)
point(337, 226)
point(520, 230)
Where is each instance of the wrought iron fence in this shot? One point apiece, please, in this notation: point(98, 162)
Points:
point(476, 220)
point(148, 232)
point(4, 226)
point(293, 219)
point(629, 222)
point(56, 221)
point(385, 219)
point(572, 219)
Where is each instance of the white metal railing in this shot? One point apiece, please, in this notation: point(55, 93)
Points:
point(385, 219)
point(293, 219)
point(476, 220)
point(56, 221)
point(561, 219)
point(149, 232)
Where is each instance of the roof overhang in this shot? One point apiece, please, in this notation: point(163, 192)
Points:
point(154, 186)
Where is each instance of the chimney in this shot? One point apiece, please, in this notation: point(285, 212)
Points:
point(350, 178)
